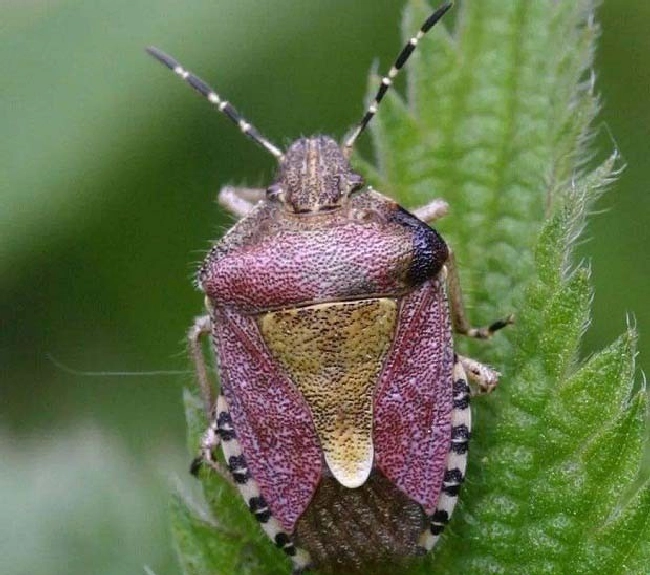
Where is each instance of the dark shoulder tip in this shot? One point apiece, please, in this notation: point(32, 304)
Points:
point(430, 251)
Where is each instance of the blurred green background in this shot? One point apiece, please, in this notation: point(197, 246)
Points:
point(109, 167)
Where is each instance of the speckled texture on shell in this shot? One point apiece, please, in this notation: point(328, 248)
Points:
point(276, 260)
point(273, 259)
point(334, 354)
point(413, 401)
point(270, 416)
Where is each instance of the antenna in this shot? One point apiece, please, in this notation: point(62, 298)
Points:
point(387, 80)
point(222, 105)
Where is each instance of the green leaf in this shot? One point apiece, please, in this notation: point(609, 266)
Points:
point(496, 120)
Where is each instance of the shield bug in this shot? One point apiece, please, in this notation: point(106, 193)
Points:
point(343, 411)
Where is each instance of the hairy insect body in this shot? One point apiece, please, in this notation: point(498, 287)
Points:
point(334, 342)
point(343, 413)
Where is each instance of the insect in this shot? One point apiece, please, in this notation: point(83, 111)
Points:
point(343, 411)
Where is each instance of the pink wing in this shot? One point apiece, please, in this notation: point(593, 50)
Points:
point(270, 417)
point(413, 401)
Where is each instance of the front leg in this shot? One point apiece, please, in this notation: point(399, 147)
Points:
point(240, 201)
point(432, 211)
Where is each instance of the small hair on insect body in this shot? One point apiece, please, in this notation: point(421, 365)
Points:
point(249, 130)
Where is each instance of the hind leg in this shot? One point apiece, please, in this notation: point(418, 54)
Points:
point(201, 328)
point(485, 377)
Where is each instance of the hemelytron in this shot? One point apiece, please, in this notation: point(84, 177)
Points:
point(343, 410)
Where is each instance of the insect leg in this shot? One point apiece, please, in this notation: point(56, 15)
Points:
point(209, 443)
point(202, 327)
point(484, 376)
point(240, 201)
point(432, 211)
point(461, 425)
point(459, 319)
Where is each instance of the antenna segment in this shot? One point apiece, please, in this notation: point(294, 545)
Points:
point(387, 80)
point(222, 105)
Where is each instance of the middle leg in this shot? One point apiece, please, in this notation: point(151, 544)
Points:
point(459, 319)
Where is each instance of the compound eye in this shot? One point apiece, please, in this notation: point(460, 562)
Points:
point(356, 182)
point(275, 193)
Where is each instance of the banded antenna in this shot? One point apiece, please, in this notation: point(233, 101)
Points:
point(222, 105)
point(388, 79)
